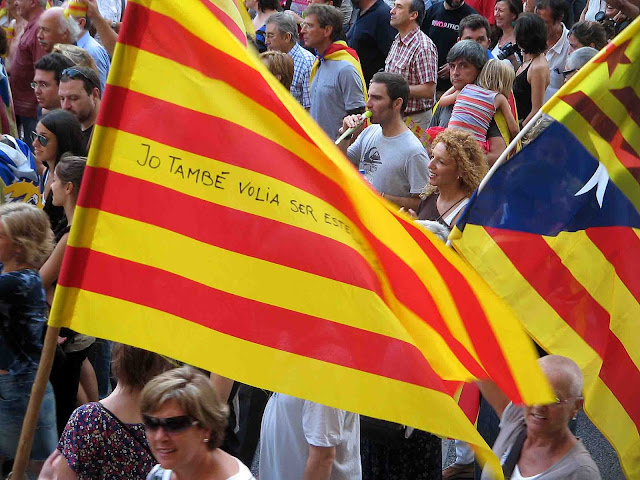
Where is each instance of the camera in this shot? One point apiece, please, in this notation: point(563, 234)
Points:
point(507, 50)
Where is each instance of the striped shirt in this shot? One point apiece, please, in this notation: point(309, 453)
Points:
point(302, 63)
point(415, 57)
point(473, 111)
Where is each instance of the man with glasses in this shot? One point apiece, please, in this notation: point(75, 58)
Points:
point(80, 95)
point(29, 51)
point(47, 79)
point(337, 84)
point(282, 35)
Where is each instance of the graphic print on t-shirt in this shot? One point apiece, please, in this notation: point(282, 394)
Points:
point(371, 161)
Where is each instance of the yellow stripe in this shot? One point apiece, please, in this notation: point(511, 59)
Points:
point(612, 420)
point(197, 19)
point(541, 321)
point(270, 368)
point(583, 258)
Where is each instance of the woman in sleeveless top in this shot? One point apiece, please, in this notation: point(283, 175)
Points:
point(533, 76)
point(106, 440)
point(506, 13)
point(455, 171)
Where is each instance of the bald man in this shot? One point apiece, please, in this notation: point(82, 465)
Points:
point(54, 28)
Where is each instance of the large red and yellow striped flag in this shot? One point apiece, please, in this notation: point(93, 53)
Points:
point(556, 232)
point(218, 224)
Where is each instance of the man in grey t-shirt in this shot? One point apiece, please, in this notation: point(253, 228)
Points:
point(393, 159)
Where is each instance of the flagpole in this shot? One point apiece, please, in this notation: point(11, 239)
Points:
point(503, 157)
point(35, 401)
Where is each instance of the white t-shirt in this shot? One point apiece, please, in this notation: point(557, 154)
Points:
point(159, 473)
point(516, 475)
point(595, 6)
point(396, 165)
point(290, 425)
point(557, 58)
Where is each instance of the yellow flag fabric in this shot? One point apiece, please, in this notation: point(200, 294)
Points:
point(219, 225)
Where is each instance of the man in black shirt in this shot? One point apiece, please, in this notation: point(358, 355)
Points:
point(441, 24)
point(80, 93)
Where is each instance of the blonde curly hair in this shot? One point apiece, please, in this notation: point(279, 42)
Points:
point(29, 230)
point(466, 152)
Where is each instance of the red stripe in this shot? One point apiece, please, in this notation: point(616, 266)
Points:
point(137, 114)
point(227, 228)
point(249, 320)
point(621, 248)
point(226, 20)
point(554, 282)
point(179, 45)
point(473, 317)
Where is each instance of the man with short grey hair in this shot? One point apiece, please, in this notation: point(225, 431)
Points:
point(54, 27)
point(576, 60)
point(282, 35)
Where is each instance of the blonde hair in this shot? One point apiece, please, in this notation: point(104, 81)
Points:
point(497, 76)
point(196, 396)
point(29, 230)
point(79, 56)
point(463, 148)
point(280, 65)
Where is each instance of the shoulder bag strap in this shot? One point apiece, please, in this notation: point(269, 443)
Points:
point(514, 455)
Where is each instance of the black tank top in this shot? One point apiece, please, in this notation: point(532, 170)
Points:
point(522, 94)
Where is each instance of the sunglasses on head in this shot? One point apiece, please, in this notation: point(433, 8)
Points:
point(72, 73)
point(41, 138)
point(170, 424)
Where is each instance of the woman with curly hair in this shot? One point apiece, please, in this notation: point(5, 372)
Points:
point(456, 169)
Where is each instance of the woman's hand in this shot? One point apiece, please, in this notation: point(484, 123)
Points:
point(410, 212)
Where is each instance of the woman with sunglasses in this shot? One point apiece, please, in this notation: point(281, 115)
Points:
point(57, 132)
point(106, 439)
point(185, 423)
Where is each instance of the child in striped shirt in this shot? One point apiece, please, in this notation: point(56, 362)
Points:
point(476, 104)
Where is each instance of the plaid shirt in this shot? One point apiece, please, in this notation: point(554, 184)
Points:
point(302, 63)
point(415, 57)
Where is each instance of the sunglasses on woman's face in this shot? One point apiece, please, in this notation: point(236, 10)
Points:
point(41, 138)
point(170, 424)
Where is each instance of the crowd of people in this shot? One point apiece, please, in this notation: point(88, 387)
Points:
point(447, 84)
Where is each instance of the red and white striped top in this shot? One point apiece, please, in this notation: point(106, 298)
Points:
point(473, 111)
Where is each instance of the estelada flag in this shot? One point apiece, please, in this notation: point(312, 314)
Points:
point(555, 232)
point(217, 224)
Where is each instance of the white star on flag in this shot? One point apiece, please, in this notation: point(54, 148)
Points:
point(599, 181)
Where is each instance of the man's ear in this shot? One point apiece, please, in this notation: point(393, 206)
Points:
point(95, 93)
point(82, 22)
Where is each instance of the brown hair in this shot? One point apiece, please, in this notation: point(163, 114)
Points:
point(280, 65)
point(70, 169)
point(196, 396)
point(29, 230)
point(463, 148)
point(134, 367)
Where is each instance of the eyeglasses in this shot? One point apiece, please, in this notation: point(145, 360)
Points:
point(170, 424)
point(565, 73)
point(41, 138)
point(35, 85)
point(559, 402)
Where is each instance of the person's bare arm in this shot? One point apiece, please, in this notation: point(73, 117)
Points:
point(425, 90)
point(409, 203)
point(449, 97)
point(350, 121)
point(64, 470)
point(492, 394)
point(319, 463)
point(630, 9)
point(539, 80)
point(108, 36)
point(502, 104)
point(51, 269)
point(223, 386)
point(496, 147)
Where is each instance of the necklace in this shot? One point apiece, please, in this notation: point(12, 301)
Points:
point(448, 210)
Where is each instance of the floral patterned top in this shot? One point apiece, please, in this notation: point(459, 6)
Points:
point(98, 446)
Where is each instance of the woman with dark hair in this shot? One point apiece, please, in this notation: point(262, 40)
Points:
point(505, 12)
point(533, 76)
point(587, 34)
point(264, 9)
point(106, 439)
point(57, 132)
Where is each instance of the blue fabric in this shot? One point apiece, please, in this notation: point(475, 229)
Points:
point(99, 54)
point(23, 317)
point(537, 191)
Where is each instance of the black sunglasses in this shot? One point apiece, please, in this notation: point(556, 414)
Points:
point(72, 73)
point(170, 424)
point(41, 138)
point(564, 73)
